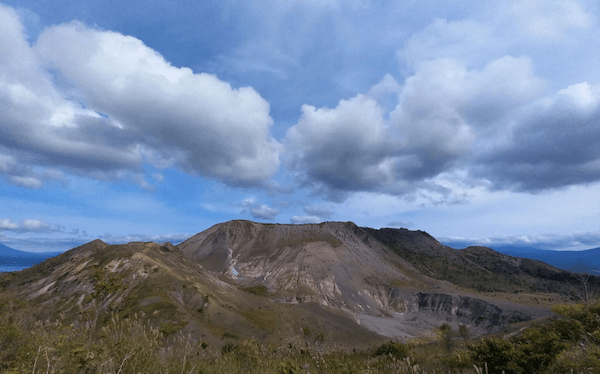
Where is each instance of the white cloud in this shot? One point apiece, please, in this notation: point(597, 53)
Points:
point(222, 132)
point(575, 241)
point(28, 182)
point(28, 225)
point(7, 224)
point(264, 212)
point(6, 162)
point(258, 211)
point(121, 239)
point(441, 115)
point(582, 95)
point(150, 110)
point(158, 177)
point(549, 19)
point(462, 39)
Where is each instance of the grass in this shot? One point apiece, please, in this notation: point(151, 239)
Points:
point(570, 343)
point(257, 290)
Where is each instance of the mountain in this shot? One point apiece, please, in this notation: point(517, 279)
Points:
point(480, 268)
point(575, 261)
point(92, 284)
point(13, 260)
point(329, 284)
point(360, 271)
point(7, 251)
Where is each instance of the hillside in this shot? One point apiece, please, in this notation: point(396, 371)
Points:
point(243, 294)
point(576, 261)
point(478, 268)
point(352, 269)
point(245, 279)
point(92, 283)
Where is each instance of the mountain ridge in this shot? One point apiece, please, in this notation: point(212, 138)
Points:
point(587, 260)
point(241, 278)
point(291, 270)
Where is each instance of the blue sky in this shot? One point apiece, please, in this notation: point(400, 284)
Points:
point(474, 121)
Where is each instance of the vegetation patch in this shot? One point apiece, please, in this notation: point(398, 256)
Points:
point(106, 283)
point(259, 290)
point(565, 344)
point(169, 328)
point(263, 318)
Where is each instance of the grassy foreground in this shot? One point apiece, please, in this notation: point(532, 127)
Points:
point(569, 343)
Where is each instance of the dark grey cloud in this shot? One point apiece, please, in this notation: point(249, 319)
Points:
point(554, 144)
point(442, 113)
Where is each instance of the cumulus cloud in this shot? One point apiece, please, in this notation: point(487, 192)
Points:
point(98, 103)
point(264, 212)
point(7, 224)
point(28, 225)
point(442, 114)
point(472, 104)
point(549, 19)
point(342, 149)
point(555, 144)
point(258, 211)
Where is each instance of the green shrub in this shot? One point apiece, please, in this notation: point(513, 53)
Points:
point(289, 367)
point(496, 353)
point(397, 350)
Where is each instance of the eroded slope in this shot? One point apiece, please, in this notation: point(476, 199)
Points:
point(343, 266)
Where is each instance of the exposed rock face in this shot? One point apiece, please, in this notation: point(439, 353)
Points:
point(330, 263)
point(246, 278)
point(93, 283)
point(342, 266)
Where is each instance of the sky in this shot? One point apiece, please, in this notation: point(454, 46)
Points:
point(477, 122)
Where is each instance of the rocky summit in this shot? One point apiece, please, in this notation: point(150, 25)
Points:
point(342, 266)
point(333, 282)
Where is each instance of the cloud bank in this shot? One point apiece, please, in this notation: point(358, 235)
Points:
point(468, 100)
point(472, 106)
point(100, 103)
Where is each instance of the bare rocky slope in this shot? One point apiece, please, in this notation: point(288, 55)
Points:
point(332, 283)
point(97, 282)
point(343, 266)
